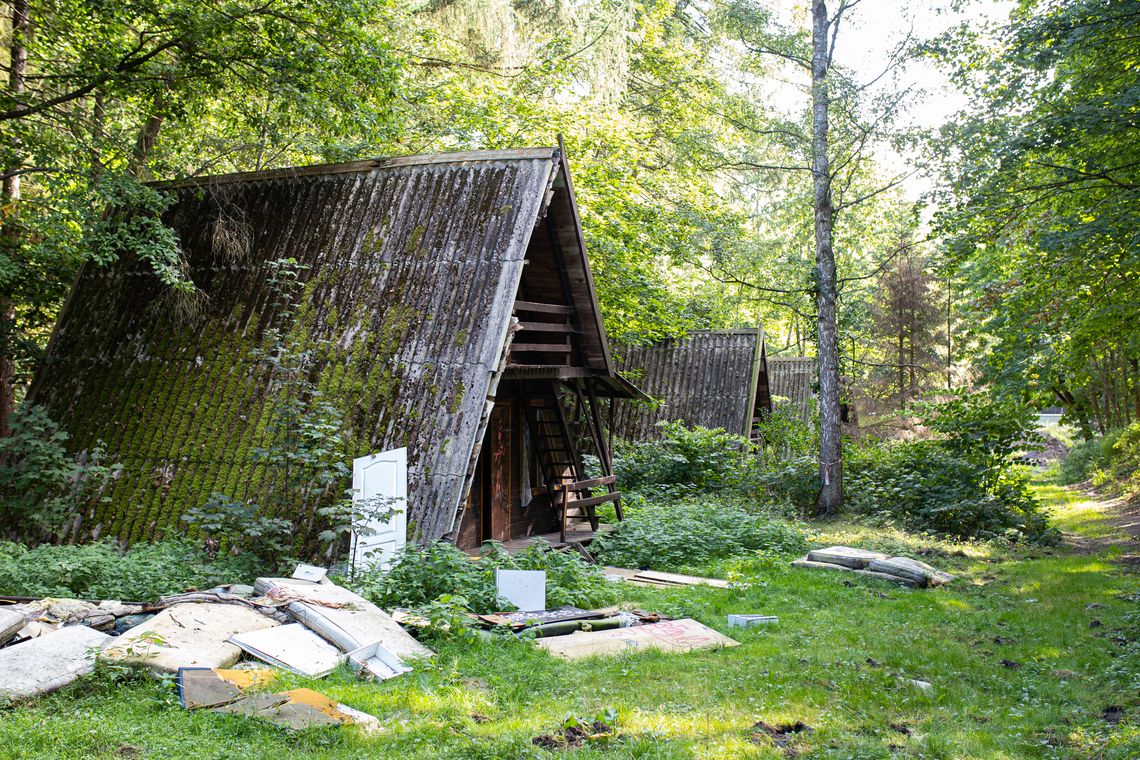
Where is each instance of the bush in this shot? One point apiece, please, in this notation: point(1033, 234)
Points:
point(1111, 461)
point(100, 571)
point(929, 486)
point(668, 536)
point(1086, 458)
point(41, 484)
point(421, 575)
point(685, 460)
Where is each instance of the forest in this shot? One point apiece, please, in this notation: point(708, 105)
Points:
point(931, 205)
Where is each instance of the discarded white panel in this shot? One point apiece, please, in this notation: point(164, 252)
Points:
point(378, 661)
point(525, 589)
point(11, 622)
point(381, 476)
point(338, 615)
point(48, 662)
point(743, 621)
point(312, 573)
point(293, 647)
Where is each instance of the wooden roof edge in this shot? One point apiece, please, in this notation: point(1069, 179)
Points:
point(363, 165)
point(564, 168)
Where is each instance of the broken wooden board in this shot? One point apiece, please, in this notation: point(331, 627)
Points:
point(341, 617)
point(656, 578)
point(847, 556)
point(292, 647)
point(683, 635)
point(681, 580)
point(213, 687)
point(187, 635)
point(49, 662)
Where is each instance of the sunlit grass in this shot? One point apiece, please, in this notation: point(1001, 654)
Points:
point(837, 660)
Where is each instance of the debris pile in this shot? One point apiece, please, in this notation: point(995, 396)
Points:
point(909, 572)
point(306, 625)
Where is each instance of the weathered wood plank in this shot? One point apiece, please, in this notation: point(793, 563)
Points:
point(550, 327)
point(543, 308)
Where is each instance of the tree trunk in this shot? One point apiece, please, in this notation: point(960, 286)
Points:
point(902, 380)
point(9, 202)
point(1135, 376)
point(830, 497)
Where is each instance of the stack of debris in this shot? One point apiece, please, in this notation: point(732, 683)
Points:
point(305, 624)
point(909, 572)
point(572, 633)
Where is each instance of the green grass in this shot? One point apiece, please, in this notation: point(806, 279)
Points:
point(834, 661)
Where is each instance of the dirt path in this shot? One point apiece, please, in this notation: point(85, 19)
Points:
point(1122, 521)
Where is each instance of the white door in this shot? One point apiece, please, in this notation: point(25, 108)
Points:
point(383, 475)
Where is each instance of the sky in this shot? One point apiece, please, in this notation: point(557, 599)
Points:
point(869, 33)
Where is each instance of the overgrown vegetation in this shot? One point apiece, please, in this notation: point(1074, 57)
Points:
point(1066, 621)
point(1110, 461)
point(673, 535)
point(42, 484)
point(422, 575)
point(101, 570)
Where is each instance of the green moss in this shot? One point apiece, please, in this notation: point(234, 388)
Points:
point(415, 238)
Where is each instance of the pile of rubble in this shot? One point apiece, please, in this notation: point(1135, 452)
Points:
point(304, 624)
point(904, 570)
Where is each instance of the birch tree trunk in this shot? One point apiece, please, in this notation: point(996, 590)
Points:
point(9, 202)
point(830, 497)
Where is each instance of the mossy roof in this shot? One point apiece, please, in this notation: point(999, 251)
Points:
point(412, 266)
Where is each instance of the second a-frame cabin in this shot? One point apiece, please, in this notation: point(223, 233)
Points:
point(711, 378)
point(443, 305)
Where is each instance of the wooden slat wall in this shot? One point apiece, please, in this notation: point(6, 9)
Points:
point(704, 380)
point(792, 381)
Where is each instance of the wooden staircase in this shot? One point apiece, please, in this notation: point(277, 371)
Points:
point(556, 430)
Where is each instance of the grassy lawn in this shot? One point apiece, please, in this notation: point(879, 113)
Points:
point(835, 661)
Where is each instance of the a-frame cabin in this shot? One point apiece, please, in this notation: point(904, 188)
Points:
point(444, 305)
point(710, 378)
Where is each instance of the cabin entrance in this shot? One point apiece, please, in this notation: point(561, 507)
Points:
point(496, 466)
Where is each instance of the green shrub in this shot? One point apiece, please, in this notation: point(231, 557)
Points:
point(929, 486)
point(793, 482)
point(1111, 461)
point(1086, 458)
point(1122, 468)
point(100, 571)
point(672, 535)
point(41, 484)
point(421, 575)
point(685, 460)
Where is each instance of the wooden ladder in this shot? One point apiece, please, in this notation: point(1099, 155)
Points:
point(556, 438)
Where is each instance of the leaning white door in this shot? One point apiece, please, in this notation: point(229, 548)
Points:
point(383, 478)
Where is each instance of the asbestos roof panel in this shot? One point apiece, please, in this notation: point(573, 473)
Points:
point(704, 379)
point(411, 268)
point(792, 382)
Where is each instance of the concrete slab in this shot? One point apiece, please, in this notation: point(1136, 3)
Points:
point(188, 635)
point(49, 662)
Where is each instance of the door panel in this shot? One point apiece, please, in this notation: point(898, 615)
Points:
point(383, 475)
point(498, 508)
